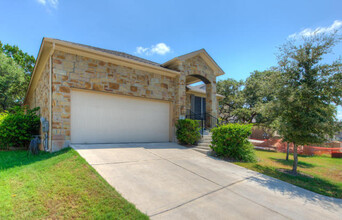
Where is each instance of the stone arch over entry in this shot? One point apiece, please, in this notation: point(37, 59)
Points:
point(210, 99)
point(202, 78)
point(195, 67)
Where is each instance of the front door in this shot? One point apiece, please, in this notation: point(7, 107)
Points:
point(198, 105)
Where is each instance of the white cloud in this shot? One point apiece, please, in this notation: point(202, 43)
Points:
point(160, 49)
point(142, 50)
point(49, 3)
point(308, 32)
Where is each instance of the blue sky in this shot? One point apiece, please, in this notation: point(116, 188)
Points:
point(240, 35)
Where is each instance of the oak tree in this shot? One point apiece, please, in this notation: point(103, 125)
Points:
point(309, 91)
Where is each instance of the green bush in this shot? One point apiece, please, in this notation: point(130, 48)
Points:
point(18, 126)
point(231, 141)
point(188, 131)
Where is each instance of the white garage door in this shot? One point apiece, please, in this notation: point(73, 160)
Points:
point(107, 118)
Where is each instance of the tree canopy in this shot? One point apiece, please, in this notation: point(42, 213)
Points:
point(12, 83)
point(308, 92)
point(244, 100)
point(16, 68)
point(232, 101)
point(23, 59)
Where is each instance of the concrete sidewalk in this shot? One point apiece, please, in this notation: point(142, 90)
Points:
point(168, 181)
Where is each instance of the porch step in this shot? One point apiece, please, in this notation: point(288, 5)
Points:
point(205, 140)
point(203, 151)
point(203, 144)
point(203, 147)
point(206, 132)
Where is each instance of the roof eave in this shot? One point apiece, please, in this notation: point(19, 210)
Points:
point(44, 50)
point(113, 56)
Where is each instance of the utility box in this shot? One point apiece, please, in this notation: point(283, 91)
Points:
point(45, 124)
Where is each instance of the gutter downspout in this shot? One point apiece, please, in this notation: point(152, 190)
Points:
point(50, 97)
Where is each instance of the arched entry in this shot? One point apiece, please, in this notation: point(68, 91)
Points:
point(202, 78)
point(195, 67)
point(201, 100)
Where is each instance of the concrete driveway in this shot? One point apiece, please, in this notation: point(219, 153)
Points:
point(168, 181)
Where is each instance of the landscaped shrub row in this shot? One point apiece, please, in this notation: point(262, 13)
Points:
point(188, 131)
point(18, 126)
point(231, 141)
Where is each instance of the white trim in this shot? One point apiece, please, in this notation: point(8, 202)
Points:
point(50, 98)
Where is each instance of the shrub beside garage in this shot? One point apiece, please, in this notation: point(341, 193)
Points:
point(188, 131)
point(18, 126)
point(231, 141)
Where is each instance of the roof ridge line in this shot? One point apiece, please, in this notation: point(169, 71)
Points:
point(114, 52)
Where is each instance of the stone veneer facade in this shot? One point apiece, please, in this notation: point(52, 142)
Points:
point(196, 66)
point(71, 71)
point(40, 96)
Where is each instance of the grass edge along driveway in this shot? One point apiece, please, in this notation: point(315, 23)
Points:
point(322, 174)
point(57, 185)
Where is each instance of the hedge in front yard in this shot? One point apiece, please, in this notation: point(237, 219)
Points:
point(18, 127)
point(188, 131)
point(231, 141)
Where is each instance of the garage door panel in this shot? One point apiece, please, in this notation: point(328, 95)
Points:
point(106, 118)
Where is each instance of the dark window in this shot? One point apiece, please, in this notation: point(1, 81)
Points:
point(198, 105)
point(204, 106)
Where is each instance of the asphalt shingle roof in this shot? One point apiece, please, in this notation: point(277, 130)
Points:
point(117, 53)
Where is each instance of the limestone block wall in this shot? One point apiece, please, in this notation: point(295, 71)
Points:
point(197, 66)
point(73, 71)
point(40, 96)
point(188, 101)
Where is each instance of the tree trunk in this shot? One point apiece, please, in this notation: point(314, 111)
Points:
point(295, 159)
point(287, 151)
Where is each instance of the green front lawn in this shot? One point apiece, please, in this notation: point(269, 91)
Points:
point(58, 185)
point(322, 174)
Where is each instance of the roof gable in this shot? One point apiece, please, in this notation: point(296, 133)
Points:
point(203, 54)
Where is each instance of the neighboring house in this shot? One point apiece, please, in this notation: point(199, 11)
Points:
point(91, 95)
